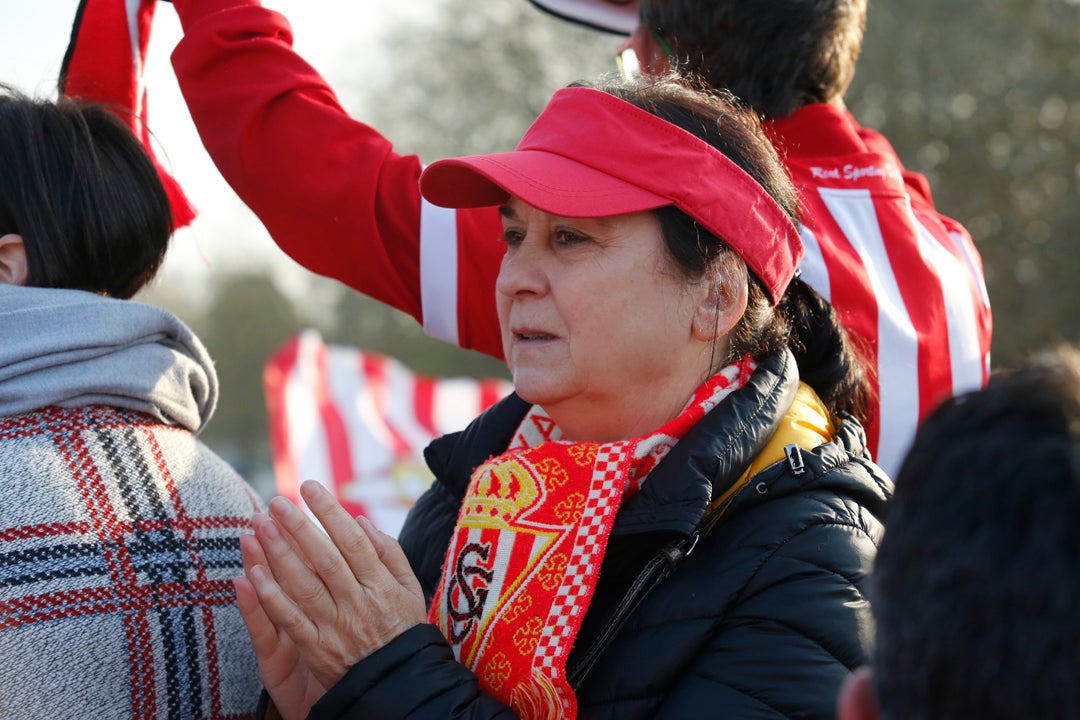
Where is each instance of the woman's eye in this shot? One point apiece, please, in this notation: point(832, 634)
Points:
point(569, 237)
point(512, 237)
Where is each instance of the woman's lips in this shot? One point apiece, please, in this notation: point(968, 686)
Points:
point(526, 333)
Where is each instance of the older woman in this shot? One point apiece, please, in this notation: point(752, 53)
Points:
point(662, 520)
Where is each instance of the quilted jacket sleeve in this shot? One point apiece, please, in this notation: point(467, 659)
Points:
point(414, 676)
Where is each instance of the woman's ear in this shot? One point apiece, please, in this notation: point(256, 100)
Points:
point(13, 267)
point(857, 700)
point(722, 304)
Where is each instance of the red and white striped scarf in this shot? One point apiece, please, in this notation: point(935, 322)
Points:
point(526, 551)
point(105, 63)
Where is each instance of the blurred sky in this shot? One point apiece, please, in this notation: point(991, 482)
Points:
point(330, 34)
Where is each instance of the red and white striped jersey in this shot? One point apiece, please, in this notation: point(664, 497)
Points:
point(339, 200)
point(906, 282)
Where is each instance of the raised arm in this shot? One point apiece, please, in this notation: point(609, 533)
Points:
point(331, 190)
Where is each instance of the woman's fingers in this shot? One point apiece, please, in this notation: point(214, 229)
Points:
point(292, 564)
point(323, 645)
point(392, 556)
point(322, 554)
point(355, 547)
point(281, 611)
point(251, 551)
point(275, 653)
point(264, 637)
point(336, 596)
point(385, 598)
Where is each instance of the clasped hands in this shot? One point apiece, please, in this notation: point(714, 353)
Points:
point(315, 603)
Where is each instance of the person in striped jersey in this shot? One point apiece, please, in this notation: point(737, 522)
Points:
point(336, 196)
point(905, 280)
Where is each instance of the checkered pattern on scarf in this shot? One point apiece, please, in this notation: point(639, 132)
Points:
point(523, 562)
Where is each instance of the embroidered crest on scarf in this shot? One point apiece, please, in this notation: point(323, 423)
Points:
point(525, 554)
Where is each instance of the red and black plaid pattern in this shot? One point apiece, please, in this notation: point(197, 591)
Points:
point(119, 538)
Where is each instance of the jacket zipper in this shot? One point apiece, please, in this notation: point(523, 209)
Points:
point(659, 567)
point(655, 571)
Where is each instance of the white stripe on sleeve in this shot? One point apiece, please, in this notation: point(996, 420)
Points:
point(812, 269)
point(439, 271)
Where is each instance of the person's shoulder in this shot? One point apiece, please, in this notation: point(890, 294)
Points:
point(813, 457)
point(832, 485)
point(171, 460)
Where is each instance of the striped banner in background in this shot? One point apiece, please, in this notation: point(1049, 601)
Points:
point(358, 422)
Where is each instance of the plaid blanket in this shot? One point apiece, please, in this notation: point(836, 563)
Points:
point(118, 542)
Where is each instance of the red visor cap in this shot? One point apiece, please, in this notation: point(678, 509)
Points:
point(590, 154)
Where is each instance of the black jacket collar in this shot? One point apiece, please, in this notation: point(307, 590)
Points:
point(701, 466)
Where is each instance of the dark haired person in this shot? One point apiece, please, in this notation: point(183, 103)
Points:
point(905, 280)
point(119, 530)
point(333, 193)
point(976, 587)
point(673, 515)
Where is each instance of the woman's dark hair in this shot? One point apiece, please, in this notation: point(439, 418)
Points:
point(81, 190)
point(802, 321)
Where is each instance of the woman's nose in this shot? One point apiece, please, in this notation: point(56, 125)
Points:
point(521, 271)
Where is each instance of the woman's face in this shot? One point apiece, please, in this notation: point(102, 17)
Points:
point(597, 321)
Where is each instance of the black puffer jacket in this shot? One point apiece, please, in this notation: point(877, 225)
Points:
point(763, 618)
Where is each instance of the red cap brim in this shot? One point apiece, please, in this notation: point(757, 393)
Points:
point(548, 182)
point(591, 154)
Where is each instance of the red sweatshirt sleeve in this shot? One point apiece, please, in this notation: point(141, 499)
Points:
point(330, 190)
